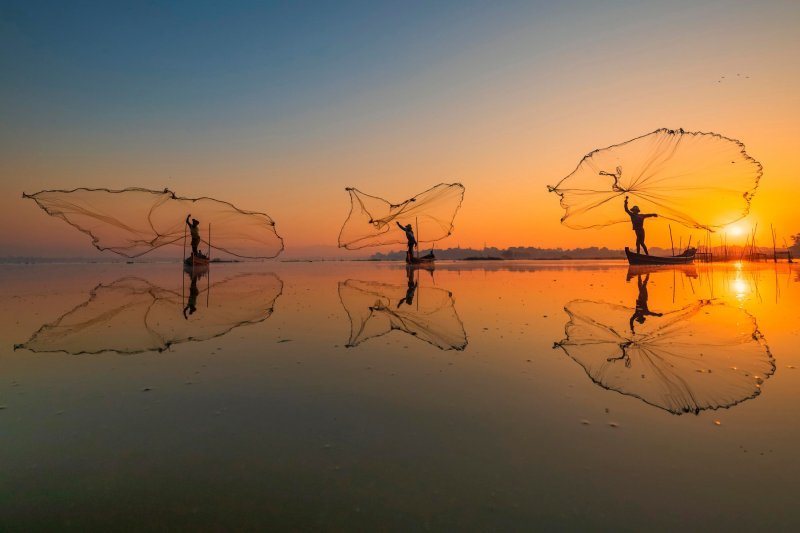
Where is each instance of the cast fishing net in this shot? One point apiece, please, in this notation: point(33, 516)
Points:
point(133, 222)
point(701, 180)
point(372, 220)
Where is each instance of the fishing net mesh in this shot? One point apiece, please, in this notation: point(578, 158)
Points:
point(701, 180)
point(133, 222)
point(705, 355)
point(134, 315)
point(376, 309)
point(372, 220)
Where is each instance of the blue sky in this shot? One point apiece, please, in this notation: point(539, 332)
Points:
point(288, 103)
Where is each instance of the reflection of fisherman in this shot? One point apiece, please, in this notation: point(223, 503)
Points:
point(194, 229)
point(637, 221)
point(642, 310)
point(194, 292)
point(412, 287)
point(412, 241)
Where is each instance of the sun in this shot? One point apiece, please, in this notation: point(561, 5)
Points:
point(734, 230)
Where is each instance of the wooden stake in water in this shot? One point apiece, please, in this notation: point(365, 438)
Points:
point(774, 247)
point(672, 244)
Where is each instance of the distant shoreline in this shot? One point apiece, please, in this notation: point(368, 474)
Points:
point(73, 261)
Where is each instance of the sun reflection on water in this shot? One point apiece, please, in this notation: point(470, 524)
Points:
point(740, 288)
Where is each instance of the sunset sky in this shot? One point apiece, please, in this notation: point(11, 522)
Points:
point(277, 108)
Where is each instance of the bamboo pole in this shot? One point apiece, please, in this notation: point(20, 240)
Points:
point(754, 247)
point(672, 244)
point(209, 241)
point(774, 247)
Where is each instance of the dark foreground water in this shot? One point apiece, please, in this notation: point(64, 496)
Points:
point(482, 396)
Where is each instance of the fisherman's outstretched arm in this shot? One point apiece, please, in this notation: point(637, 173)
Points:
point(626, 206)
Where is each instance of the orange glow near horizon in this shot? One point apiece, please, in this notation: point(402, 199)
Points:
point(490, 115)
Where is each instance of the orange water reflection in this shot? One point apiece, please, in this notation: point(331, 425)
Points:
point(283, 409)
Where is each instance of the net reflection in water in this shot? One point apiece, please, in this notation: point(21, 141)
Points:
point(706, 355)
point(427, 313)
point(132, 315)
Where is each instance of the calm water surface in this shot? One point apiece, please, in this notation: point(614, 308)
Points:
point(481, 396)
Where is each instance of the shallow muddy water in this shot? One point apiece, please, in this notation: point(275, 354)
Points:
point(496, 395)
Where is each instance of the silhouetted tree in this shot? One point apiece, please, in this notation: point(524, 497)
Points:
point(795, 249)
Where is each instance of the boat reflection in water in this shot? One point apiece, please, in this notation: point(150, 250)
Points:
point(133, 315)
point(689, 271)
point(704, 355)
point(427, 313)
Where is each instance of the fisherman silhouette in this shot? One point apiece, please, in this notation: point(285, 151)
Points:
point(642, 311)
point(194, 292)
point(412, 241)
point(637, 221)
point(194, 230)
point(412, 287)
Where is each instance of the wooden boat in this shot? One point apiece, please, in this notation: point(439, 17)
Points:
point(195, 261)
point(685, 258)
point(425, 260)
